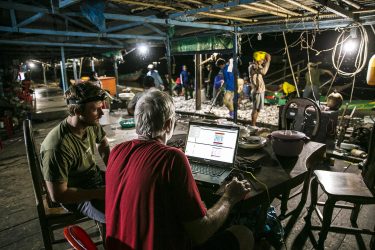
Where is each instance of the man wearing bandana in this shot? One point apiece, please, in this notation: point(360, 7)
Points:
point(72, 176)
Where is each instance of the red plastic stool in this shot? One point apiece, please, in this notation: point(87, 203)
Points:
point(78, 238)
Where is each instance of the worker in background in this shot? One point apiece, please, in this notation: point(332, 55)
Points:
point(152, 200)
point(155, 74)
point(218, 92)
point(94, 79)
point(227, 83)
point(289, 90)
point(257, 69)
point(312, 78)
point(210, 82)
point(186, 81)
point(148, 85)
point(177, 89)
point(72, 176)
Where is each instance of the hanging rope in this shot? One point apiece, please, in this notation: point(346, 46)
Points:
point(361, 57)
point(290, 64)
point(308, 61)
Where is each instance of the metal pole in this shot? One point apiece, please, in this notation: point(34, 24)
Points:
point(75, 71)
point(92, 65)
point(198, 82)
point(168, 50)
point(80, 67)
point(44, 73)
point(235, 73)
point(116, 74)
point(63, 70)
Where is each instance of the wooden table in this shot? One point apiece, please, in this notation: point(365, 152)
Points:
point(279, 174)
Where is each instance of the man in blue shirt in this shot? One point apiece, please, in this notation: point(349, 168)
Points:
point(186, 80)
point(228, 84)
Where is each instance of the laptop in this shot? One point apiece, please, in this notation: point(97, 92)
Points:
point(211, 150)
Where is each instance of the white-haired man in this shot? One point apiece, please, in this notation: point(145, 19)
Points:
point(152, 201)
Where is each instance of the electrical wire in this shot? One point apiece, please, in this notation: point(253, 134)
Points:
point(290, 64)
point(260, 182)
point(361, 56)
point(308, 66)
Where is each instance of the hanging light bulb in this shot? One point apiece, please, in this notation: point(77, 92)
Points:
point(259, 36)
point(351, 45)
point(143, 49)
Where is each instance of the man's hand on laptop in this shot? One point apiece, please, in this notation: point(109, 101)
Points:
point(237, 190)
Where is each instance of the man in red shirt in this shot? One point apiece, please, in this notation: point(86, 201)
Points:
point(152, 201)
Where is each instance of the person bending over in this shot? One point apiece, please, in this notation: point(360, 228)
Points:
point(148, 85)
point(152, 201)
point(72, 176)
point(228, 84)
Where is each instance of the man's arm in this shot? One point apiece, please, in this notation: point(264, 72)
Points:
point(202, 229)
point(266, 65)
point(103, 149)
point(60, 193)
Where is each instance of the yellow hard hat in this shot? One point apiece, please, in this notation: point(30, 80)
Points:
point(259, 55)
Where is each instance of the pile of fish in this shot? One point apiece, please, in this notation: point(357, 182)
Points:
point(269, 115)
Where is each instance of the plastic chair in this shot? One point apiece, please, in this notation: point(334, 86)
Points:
point(78, 238)
point(51, 215)
point(347, 187)
point(301, 107)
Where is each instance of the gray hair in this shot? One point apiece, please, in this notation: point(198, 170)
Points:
point(153, 109)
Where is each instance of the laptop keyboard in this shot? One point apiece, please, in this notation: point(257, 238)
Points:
point(207, 170)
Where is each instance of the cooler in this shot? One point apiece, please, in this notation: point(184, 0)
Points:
point(109, 84)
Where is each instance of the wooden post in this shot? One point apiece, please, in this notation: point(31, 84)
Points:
point(116, 74)
point(80, 67)
point(44, 73)
point(198, 81)
point(235, 72)
point(168, 54)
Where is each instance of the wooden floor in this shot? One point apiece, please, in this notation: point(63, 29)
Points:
point(19, 225)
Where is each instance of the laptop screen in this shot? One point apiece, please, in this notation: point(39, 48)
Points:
point(212, 142)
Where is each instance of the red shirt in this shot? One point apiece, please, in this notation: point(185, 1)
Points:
point(150, 191)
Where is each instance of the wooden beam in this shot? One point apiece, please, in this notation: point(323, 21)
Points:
point(335, 8)
point(228, 17)
point(251, 7)
point(302, 6)
point(279, 8)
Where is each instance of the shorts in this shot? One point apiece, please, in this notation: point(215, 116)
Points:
point(224, 240)
point(258, 100)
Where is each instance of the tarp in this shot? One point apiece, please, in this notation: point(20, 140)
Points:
point(93, 10)
point(205, 43)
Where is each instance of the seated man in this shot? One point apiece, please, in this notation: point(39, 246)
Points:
point(148, 84)
point(68, 164)
point(152, 201)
